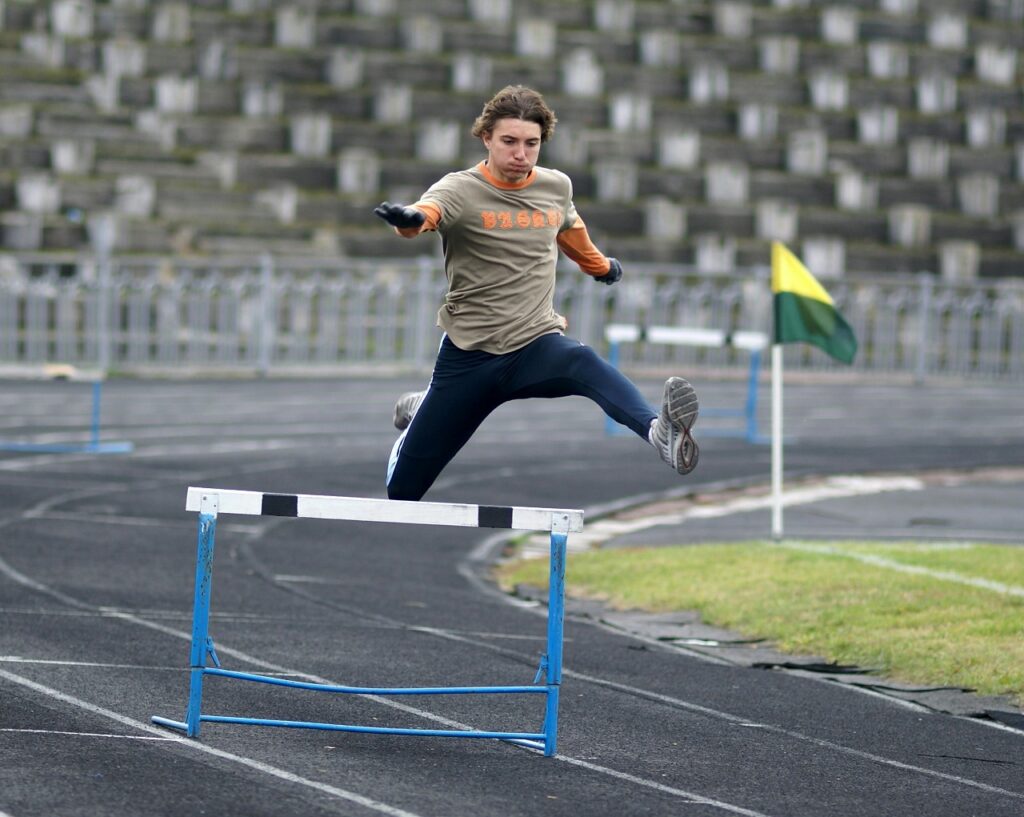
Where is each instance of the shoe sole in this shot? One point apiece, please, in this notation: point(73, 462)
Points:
point(400, 422)
point(681, 407)
point(403, 419)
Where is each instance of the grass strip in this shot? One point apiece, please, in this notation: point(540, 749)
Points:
point(825, 599)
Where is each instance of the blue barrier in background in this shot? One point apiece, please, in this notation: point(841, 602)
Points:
point(92, 446)
point(755, 342)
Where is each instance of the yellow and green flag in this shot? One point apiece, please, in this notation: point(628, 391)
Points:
point(804, 311)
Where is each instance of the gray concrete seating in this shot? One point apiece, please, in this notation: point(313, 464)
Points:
point(879, 129)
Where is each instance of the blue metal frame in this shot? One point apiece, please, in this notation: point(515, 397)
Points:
point(202, 647)
point(748, 431)
point(94, 446)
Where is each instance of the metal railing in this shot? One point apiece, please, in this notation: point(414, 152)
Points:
point(268, 316)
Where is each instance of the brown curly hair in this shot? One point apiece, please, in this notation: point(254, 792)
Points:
point(516, 102)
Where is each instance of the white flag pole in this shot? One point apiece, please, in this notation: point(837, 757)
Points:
point(777, 441)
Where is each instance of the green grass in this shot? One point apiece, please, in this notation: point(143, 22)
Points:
point(822, 598)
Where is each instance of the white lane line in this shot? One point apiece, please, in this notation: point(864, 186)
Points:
point(779, 730)
point(483, 550)
point(142, 522)
point(901, 567)
point(266, 768)
point(376, 805)
point(17, 659)
point(223, 649)
point(601, 682)
point(85, 734)
point(689, 796)
point(836, 487)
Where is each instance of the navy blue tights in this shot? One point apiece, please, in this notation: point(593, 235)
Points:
point(467, 386)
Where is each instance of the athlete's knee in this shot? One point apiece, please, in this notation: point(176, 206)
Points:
point(583, 360)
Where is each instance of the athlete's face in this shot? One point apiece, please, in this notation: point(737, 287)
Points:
point(513, 147)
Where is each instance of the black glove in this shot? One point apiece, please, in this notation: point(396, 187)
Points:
point(398, 215)
point(614, 273)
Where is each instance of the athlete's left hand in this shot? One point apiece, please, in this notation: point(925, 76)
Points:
point(614, 273)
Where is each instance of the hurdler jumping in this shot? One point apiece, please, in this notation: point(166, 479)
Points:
point(502, 224)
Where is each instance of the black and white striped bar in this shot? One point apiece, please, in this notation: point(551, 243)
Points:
point(358, 509)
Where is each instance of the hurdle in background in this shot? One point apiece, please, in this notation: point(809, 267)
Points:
point(93, 446)
point(755, 342)
point(210, 502)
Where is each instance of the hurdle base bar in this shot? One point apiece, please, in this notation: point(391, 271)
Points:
point(68, 448)
point(211, 502)
point(532, 740)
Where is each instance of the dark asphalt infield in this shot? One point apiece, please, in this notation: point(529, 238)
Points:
point(97, 562)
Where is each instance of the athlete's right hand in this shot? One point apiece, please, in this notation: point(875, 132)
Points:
point(398, 215)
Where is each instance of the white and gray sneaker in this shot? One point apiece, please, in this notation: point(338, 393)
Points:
point(406, 407)
point(670, 433)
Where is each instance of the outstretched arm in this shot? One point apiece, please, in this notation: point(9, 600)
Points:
point(575, 242)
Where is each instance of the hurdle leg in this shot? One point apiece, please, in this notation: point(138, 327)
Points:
point(556, 610)
point(201, 645)
point(201, 610)
point(751, 408)
point(95, 432)
point(610, 426)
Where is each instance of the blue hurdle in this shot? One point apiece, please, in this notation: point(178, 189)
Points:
point(754, 342)
point(210, 502)
point(92, 446)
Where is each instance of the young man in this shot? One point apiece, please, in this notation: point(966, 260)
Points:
point(502, 224)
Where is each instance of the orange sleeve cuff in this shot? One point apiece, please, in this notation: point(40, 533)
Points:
point(576, 244)
point(433, 214)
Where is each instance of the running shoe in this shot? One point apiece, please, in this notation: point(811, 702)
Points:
point(671, 435)
point(406, 407)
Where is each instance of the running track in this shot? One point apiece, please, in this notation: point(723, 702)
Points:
point(96, 564)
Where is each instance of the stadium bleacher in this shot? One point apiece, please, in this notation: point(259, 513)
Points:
point(873, 136)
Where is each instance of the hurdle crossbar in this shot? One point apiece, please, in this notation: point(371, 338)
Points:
point(210, 502)
point(754, 342)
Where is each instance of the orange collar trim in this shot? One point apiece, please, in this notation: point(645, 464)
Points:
point(530, 178)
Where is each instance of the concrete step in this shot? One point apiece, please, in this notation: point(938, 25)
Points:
point(714, 119)
point(42, 87)
point(685, 18)
point(732, 220)
point(935, 194)
point(764, 155)
point(988, 233)
point(81, 123)
point(167, 167)
point(1000, 161)
point(364, 32)
point(233, 133)
point(874, 160)
point(23, 155)
point(809, 191)
point(718, 50)
point(467, 35)
point(256, 171)
point(766, 88)
point(281, 65)
point(684, 185)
